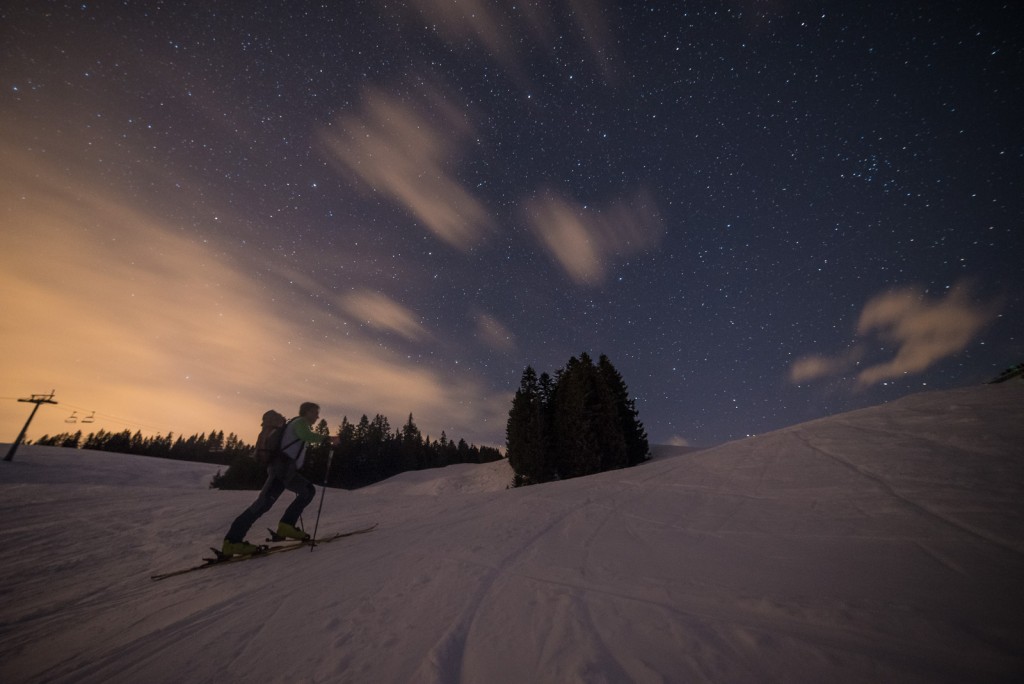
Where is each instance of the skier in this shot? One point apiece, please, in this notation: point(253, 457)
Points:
point(282, 473)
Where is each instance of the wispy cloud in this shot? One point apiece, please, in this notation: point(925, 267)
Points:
point(508, 29)
point(128, 315)
point(813, 367)
point(584, 241)
point(923, 330)
point(475, 19)
point(597, 35)
point(494, 334)
point(383, 313)
point(409, 151)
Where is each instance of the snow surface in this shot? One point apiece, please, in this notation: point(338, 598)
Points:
point(883, 545)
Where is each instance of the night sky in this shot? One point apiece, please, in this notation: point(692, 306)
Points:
point(762, 212)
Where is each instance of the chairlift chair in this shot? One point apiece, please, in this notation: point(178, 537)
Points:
point(72, 418)
point(91, 418)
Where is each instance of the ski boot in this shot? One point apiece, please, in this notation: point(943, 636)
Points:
point(242, 548)
point(286, 531)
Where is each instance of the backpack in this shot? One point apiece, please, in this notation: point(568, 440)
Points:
point(268, 444)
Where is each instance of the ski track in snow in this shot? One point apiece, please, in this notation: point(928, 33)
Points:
point(1010, 545)
point(881, 545)
point(449, 653)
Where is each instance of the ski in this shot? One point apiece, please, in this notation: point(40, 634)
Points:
point(221, 559)
point(275, 538)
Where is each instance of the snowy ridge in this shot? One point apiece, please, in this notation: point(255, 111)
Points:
point(462, 478)
point(885, 544)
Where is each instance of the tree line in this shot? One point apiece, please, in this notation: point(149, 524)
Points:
point(579, 422)
point(369, 451)
point(212, 447)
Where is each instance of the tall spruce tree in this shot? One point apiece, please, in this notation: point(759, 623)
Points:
point(526, 441)
point(579, 423)
point(588, 437)
point(637, 447)
point(412, 451)
point(569, 429)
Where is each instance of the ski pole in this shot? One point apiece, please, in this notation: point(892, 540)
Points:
point(330, 456)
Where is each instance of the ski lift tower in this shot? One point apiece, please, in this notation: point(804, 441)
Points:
point(38, 400)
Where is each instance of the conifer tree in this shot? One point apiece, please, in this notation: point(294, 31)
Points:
point(580, 422)
point(637, 447)
point(526, 441)
point(411, 446)
point(588, 439)
point(569, 437)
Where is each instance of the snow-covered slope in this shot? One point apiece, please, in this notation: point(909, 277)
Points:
point(454, 479)
point(884, 545)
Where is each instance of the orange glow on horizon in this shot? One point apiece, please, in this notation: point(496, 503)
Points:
point(126, 315)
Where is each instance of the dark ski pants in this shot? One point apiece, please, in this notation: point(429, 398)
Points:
point(281, 475)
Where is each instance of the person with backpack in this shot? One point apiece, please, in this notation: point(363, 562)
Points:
point(282, 445)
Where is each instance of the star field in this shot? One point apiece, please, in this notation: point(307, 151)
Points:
point(763, 213)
